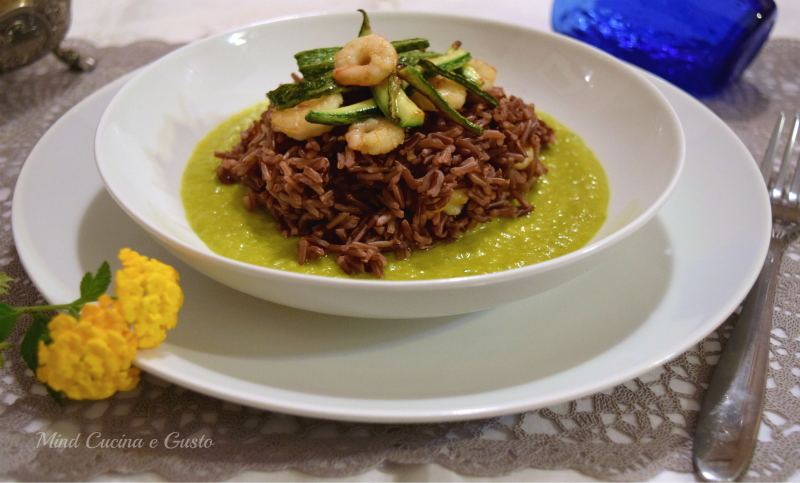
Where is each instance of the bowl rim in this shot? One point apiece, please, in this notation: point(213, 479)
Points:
point(511, 274)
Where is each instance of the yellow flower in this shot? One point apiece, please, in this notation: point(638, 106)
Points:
point(89, 358)
point(149, 296)
point(92, 357)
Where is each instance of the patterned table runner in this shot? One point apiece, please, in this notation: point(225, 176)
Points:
point(628, 433)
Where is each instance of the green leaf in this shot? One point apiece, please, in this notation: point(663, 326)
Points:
point(57, 396)
point(92, 287)
point(4, 346)
point(29, 348)
point(4, 279)
point(8, 317)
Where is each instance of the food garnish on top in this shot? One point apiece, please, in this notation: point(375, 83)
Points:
point(387, 147)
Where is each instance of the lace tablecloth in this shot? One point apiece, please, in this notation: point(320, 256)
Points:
point(630, 432)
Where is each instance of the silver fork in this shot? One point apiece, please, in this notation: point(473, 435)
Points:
point(727, 426)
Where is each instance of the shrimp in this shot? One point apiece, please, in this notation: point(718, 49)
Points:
point(376, 135)
point(529, 156)
point(486, 72)
point(454, 93)
point(292, 121)
point(364, 61)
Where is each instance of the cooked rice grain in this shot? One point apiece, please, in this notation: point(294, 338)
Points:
point(359, 206)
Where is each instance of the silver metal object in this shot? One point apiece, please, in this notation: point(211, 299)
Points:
point(30, 29)
point(727, 426)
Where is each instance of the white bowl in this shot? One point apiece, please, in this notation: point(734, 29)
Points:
point(151, 127)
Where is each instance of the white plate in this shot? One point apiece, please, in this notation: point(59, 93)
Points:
point(153, 125)
point(667, 287)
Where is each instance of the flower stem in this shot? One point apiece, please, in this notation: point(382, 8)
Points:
point(43, 308)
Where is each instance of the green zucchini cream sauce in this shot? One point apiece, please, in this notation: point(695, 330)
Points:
point(570, 207)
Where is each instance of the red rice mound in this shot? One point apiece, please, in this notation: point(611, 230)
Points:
point(360, 207)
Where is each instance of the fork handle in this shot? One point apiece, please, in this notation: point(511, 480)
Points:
point(727, 426)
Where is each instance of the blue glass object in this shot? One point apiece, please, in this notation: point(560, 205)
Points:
point(698, 45)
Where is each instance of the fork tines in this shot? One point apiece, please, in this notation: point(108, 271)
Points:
point(780, 189)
